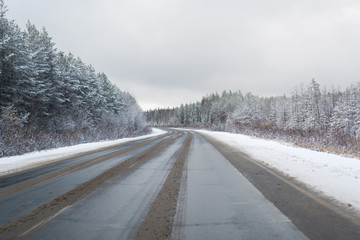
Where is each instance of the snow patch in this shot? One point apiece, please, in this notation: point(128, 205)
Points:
point(14, 164)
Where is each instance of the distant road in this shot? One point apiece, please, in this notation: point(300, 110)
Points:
point(180, 185)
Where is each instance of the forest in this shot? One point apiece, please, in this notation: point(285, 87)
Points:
point(311, 117)
point(50, 99)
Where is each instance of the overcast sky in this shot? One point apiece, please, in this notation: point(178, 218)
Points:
point(168, 52)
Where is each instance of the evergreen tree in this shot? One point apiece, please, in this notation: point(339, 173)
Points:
point(49, 98)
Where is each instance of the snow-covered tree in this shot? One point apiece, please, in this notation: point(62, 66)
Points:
point(49, 98)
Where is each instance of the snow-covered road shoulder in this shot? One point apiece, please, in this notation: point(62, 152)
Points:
point(330, 174)
point(14, 164)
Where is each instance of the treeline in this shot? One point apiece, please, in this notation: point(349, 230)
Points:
point(310, 117)
point(51, 99)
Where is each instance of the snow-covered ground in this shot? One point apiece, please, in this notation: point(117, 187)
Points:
point(29, 160)
point(333, 175)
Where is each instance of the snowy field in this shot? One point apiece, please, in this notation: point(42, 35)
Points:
point(333, 175)
point(29, 160)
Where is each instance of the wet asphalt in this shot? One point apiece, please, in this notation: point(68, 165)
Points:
point(116, 210)
point(220, 203)
point(26, 200)
point(216, 201)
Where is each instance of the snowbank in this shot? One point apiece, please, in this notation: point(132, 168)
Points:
point(334, 175)
point(29, 160)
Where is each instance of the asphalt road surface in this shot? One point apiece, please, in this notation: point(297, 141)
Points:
point(180, 185)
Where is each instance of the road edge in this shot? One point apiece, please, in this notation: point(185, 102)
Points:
point(291, 199)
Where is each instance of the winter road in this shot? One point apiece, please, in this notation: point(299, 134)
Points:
point(180, 185)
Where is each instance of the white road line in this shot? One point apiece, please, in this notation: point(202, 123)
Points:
point(132, 165)
point(43, 222)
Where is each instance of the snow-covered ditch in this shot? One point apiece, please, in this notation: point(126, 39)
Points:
point(29, 160)
point(333, 175)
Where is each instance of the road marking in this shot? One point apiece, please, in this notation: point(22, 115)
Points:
point(132, 165)
point(17, 226)
point(158, 222)
point(25, 184)
point(317, 199)
point(43, 222)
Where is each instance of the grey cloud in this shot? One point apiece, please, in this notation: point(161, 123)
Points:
point(169, 52)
